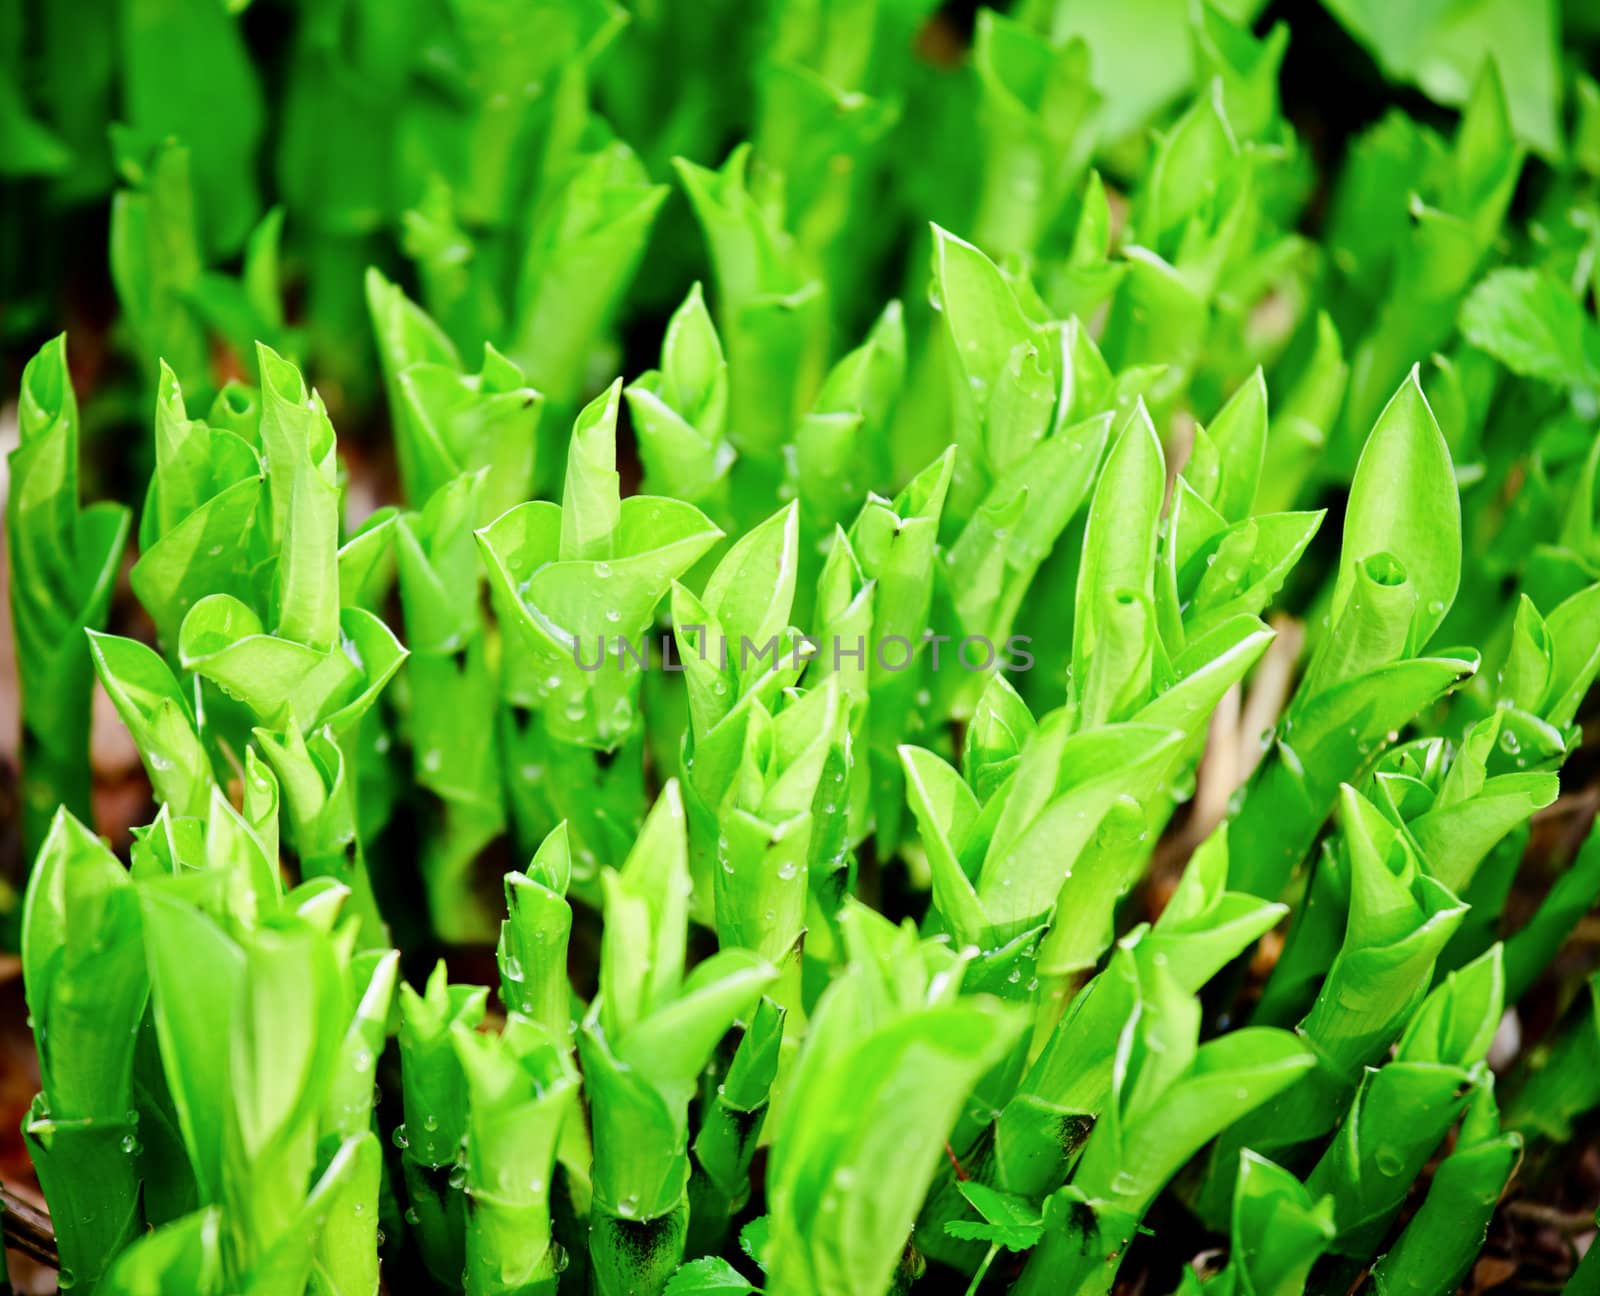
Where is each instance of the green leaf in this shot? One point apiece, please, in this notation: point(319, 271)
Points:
point(1439, 1242)
point(1008, 1220)
point(1404, 504)
point(183, 1258)
point(521, 1096)
point(587, 575)
point(771, 308)
point(753, 1239)
point(155, 254)
point(406, 336)
point(532, 952)
point(1117, 572)
point(1441, 49)
point(63, 563)
point(81, 951)
point(1204, 925)
point(157, 715)
point(1239, 435)
point(1533, 326)
point(1330, 737)
point(649, 896)
point(946, 812)
point(463, 423)
point(1037, 108)
point(680, 412)
point(706, 1278)
point(725, 1145)
point(220, 116)
point(751, 592)
point(1135, 85)
point(190, 1019)
point(282, 680)
point(1003, 366)
point(577, 264)
point(671, 1045)
point(1064, 785)
point(435, 1086)
point(1279, 1230)
point(835, 1228)
point(1400, 1113)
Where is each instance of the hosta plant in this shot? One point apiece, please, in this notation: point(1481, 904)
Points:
point(936, 652)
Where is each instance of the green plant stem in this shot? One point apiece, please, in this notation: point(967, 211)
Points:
point(983, 1268)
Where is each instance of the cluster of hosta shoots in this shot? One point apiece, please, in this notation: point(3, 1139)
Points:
point(1025, 711)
